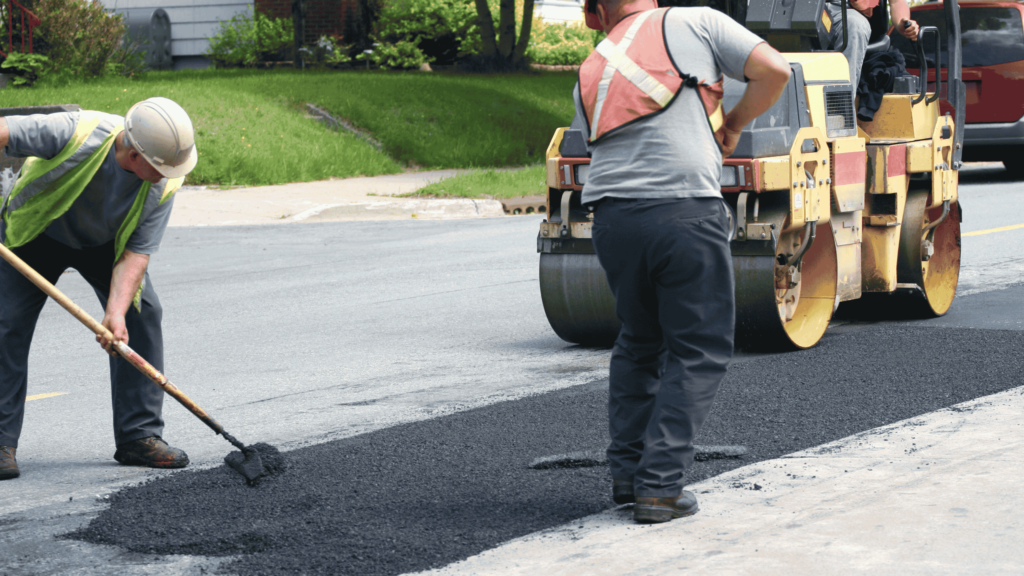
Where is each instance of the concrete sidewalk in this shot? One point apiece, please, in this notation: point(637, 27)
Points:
point(368, 198)
point(935, 494)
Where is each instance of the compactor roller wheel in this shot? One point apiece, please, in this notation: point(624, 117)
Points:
point(937, 275)
point(773, 315)
point(578, 303)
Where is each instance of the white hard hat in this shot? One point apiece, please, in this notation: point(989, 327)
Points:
point(162, 132)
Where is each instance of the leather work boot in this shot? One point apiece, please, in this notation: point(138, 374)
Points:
point(622, 492)
point(8, 465)
point(152, 452)
point(651, 509)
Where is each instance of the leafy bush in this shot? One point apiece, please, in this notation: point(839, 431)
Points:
point(327, 52)
point(78, 36)
point(246, 40)
point(26, 68)
point(401, 55)
point(436, 28)
point(561, 44)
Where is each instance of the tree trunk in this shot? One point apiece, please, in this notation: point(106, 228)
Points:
point(507, 29)
point(524, 32)
point(486, 23)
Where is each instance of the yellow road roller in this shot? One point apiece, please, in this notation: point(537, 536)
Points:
point(826, 210)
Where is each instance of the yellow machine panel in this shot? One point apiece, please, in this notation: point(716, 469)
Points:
point(898, 119)
point(822, 66)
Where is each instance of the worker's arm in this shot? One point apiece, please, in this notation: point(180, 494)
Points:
point(124, 283)
point(4, 132)
point(767, 72)
point(900, 13)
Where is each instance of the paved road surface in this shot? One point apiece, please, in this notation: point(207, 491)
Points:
point(296, 335)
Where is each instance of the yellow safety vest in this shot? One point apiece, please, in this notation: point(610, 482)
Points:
point(46, 189)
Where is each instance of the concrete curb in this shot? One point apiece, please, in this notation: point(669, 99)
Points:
point(395, 209)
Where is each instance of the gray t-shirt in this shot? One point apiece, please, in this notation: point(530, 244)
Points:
point(672, 154)
point(96, 216)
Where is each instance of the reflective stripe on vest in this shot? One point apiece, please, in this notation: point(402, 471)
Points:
point(630, 75)
point(46, 189)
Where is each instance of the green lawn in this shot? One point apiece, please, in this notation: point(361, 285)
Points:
point(489, 184)
point(251, 126)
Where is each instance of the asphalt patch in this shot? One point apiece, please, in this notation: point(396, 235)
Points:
point(426, 494)
point(271, 462)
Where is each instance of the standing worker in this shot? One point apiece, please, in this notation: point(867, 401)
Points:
point(95, 195)
point(661, 227)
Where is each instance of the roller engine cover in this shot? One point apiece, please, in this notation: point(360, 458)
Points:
point(790, 25)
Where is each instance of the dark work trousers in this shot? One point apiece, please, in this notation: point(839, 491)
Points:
point(137, 401)
point(669, 266)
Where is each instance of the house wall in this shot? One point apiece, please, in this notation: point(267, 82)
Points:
point(192, 23)
point(565, 11)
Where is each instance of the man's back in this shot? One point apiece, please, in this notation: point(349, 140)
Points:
point(673, 154)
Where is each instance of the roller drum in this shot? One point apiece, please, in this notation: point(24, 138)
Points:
point(937, 276)
point(577, 301)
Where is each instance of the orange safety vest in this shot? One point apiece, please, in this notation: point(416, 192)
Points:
point(630, 76)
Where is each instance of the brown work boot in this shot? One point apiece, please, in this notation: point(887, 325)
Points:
point(152, 452)
point(650, 509)
point(622, 492)
point(8, 465)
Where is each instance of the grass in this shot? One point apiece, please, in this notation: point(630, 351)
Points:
point(251, 127)
point(488, 184)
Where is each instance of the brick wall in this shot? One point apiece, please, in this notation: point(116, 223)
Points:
point(323, 17)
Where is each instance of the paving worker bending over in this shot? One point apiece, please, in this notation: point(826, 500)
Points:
point(859, 33)
point(648, 101)
point(95, 195)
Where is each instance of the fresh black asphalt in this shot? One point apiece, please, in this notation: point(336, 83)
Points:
point(426, 494)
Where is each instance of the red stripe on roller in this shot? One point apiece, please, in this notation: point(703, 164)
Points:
point(897, 160)
point(850, 167)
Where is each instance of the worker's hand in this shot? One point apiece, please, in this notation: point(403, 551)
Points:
point(908, 28)
point(727, 140)
point(114, 323)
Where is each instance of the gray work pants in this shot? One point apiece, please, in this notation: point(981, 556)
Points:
point(857, 39)
point(137, 401)
point(669, 266)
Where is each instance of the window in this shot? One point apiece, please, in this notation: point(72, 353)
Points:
point(991, 35)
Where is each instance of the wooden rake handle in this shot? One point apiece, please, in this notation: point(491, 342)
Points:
point(100, 330)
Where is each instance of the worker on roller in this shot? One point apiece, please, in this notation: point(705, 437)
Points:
point(94, 194)
point(648, 101)
point(859, 31)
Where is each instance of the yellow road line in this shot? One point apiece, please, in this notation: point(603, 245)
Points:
point(41, 396)
point(991, 230)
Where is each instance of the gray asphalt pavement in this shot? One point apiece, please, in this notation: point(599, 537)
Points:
point(301, 334)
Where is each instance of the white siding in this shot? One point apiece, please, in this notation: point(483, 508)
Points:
point(192, 21)
point(559, 10)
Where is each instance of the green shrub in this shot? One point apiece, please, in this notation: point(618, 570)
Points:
point(26, 68)
point(246, 40)
point(402, 55)
point(561, 44)
point(78, 36)
point(437, 28)
point(127, 60)
point(327, 52)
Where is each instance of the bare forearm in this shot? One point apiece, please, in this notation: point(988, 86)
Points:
point(758, 98)
point(125, 282)
point(768, 73)
point(899, 11)
point(4, 132)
